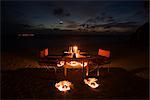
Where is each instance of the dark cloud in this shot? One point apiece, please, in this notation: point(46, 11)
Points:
point(110, 19)
point(125, 24)
point(41, 25)
point(112, 27)
point(93, 15)
point(67, 14)
point(116, 24)
point(26, 26)
point(60, 12)
point(105, 21)
point(71, 24)
point(96, 20)
point(90, 21)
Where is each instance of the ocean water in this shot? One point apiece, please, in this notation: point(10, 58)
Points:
point(84, 42)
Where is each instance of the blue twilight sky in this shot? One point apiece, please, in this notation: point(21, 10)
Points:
point(100, 16)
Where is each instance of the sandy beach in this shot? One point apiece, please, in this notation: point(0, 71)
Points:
point(39, 83)
point(23, 77)
point(124, 56)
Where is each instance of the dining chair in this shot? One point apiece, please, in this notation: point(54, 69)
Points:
point(103, 59)
point(48, 61)
point(44, 53)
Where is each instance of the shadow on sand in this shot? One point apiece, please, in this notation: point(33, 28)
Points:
point(40, 83)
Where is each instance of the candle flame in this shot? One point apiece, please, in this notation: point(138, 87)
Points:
point(63, 85)
point(75, 49)
point(91, 82)
point(61, 63)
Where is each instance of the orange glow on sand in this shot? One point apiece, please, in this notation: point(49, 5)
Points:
point(91, 82)
point(61, 63)
point(85, 64)
point(63, 85)
point(75, 63)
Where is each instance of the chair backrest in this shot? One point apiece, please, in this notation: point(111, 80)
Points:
point(44, 52)
point(105, 53)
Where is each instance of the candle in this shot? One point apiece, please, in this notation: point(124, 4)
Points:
point(75, 49)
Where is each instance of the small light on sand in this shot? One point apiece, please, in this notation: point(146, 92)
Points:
point(73, 63)
point(85, 64)
point(63, 85)
point(61, 63)
point(91, 82)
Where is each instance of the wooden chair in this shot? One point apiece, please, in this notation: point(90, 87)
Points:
point(48, 61)
point(102, 59)
point(106, 59)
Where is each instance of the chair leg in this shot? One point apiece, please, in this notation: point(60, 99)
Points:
point(98, 71)
point(55, 70)
point(108, 67)
point(65, 71)
point(87, 71)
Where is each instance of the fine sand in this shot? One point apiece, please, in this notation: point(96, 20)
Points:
point(23, 77)
point(126, 56)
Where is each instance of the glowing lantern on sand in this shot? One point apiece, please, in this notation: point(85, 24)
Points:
point(91, 82)
point(63, 85)
point(75, 63)
point(85, 64)
point(61, 63)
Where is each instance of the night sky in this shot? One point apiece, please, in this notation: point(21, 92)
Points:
point(98, 16)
